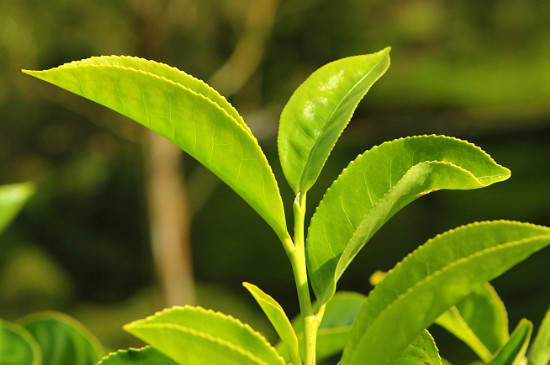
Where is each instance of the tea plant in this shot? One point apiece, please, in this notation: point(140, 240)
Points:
point(438, 282)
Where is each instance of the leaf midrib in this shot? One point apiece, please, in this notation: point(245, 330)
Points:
point(382, 198)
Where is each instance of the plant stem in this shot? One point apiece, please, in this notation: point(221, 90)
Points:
point(298, 259)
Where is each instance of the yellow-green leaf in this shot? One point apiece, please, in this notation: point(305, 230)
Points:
point(193, 335)
point(187, 112)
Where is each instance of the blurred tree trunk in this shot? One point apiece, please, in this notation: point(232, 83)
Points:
point(169, 212)
point(166, 194)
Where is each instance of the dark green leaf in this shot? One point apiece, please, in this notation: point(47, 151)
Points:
point(513, 352)
point(62, 339)
point(144, 356)
point(17, 346)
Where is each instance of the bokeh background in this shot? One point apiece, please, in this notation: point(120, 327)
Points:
point(477, 70)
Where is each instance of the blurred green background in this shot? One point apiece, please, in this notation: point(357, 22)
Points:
point(477, 70)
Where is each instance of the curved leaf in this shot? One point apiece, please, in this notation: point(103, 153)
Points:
point(422, 351)
point(278, 318)
point(62, 339)
point(12, 198)
point(513, 352)
point(144, 356)
point(193, 335)
point(480, 320)
point(318, 112)
point(376, 186)
point(187, 112)
point(17, 346)
point(540, 351)
point(433, 278)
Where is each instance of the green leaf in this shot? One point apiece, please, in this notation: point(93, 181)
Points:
point(318, 112)
point(193, 335)
point(187, 112)
point(422, 351)
point(144, 356)
point(540, 351)
point(513, 352)
point(340, 312)
point(480, 320)
point(62, 339)
point(279, 320)
point(376, 186)
point(17, 346)
point(12, 198)
point(433, 278)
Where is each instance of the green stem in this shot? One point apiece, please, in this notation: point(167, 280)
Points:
point(298, 259)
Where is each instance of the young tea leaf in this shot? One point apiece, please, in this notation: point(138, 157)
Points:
point(278, 318)
point(12, 198)
point(144, 356)
point(480, 320)
point(422, 351)
point(62, 339)
point(540, 351)
point(513, 352)
point(187, 112)
point(193, 335)
point(17, 346)
point(433, 278)
point(376, 186)
point(318, 112)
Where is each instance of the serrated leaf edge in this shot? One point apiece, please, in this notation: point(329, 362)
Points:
point(459, 261)
point(141, 322)
point(352, 163)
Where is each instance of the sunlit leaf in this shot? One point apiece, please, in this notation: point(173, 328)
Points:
point(376, 186)
point(193, 335)
point(318, 112)
point(278, 319)
point(12, 198)
point(144, 356)
point(540, 351)
point(17, 346)
point(513, 352)
point(433, 278)
point(422, 351)
point(480, 320)
point(62, 339)
point(187, 112)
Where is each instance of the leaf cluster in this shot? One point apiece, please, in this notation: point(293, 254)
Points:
point(443, 281)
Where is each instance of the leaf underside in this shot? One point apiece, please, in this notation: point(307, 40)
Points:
point(433, 278)
point(62, 339)
point(480, 320)
point(193, 335)
point(187, 112)
point(377, 185)
point(318, 112)
point(17, 346)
